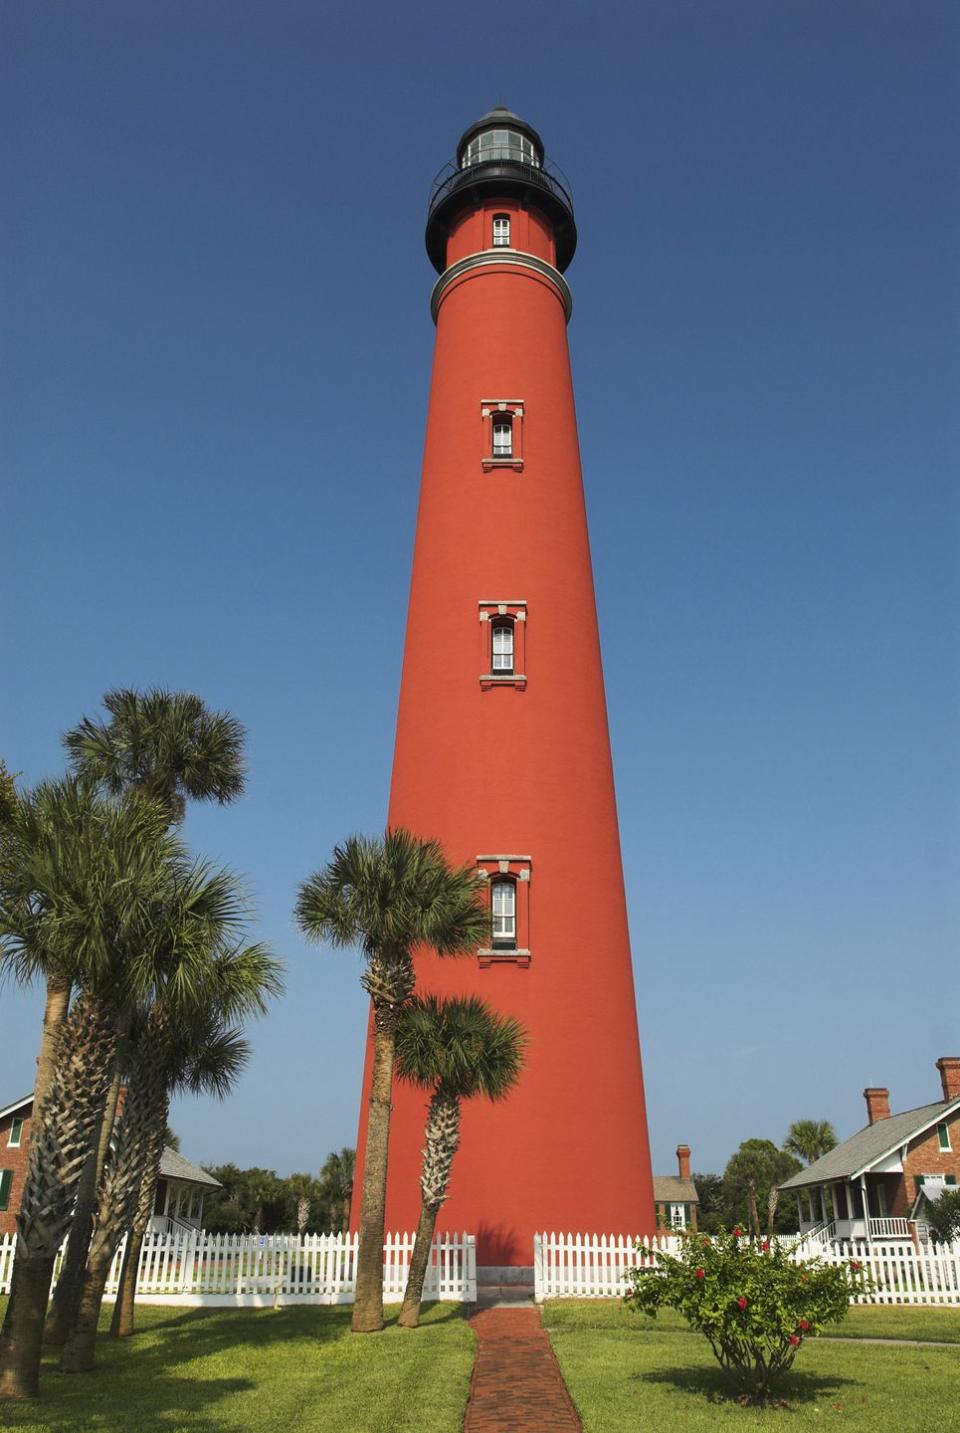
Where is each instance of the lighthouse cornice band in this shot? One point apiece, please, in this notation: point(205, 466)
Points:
point(512, 260)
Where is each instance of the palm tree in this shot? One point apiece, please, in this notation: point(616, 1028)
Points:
point(80, 879)
point(206, 1058)
point(457, 1049)
point(336, 1177)
point(169, 745)
point(191, 998)
point(388, 896)
point(810, 1139)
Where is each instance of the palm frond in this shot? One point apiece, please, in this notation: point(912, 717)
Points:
point(459, 1045)
point(169, 745)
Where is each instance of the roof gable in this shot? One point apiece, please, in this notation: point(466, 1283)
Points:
point(671, 1189)
point(17, 1105)
point(174, 1166)
point(859, 1153)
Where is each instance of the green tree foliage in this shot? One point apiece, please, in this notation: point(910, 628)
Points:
point(710, 1216)
point(336, 1177)
point(756, 1169)
point(943, 1216)
point(9, 801)
point(810, 1139)
point(754, 1306)
point(251, 1193)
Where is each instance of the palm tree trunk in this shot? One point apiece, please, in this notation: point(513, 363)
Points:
point(136, 1140)
point(55, 1009)
point(122, 1323)
point(66, 1296)
point(59, 1143)
point(78, 1353)
point(23, 1345)
point(368, 1299)
point(419, 1263)
point(54, 1014)
point(442, 1139)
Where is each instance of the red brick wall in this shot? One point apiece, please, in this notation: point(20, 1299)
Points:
point(925, 1156)
point(15, 1159)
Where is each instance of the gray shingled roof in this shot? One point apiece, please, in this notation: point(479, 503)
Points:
point(868, 1145)
point(174, 1166)
point(671, 1189)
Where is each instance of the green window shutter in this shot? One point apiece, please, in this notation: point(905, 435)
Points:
point(686, 1215)
point(950, 1179)
point(6, 1179)
point(943, 1135)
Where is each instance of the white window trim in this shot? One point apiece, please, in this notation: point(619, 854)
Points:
point(15, 1143)
point(948, 1147)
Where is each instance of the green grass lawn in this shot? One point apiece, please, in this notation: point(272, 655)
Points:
point(625, 1370)
point(233, 1370)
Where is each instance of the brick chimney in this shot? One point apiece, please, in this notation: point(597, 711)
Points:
point(878, 1103)
point(683, 1158)
point(949, 1067)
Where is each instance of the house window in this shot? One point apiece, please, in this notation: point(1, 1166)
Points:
point(678, 1216)
point(503, 436)
point(943, 1137)
point(502, 648)
point(501, 231)
point(16, 1131)
point(503, 906)
point(6, 1179)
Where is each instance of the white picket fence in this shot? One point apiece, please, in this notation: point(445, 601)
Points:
point(585, 1266)
point(250, 1270)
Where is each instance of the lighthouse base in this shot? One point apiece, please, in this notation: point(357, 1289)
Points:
point(503, 1285)
point(505, 1274)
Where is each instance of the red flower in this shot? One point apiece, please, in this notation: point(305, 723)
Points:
point(706, 1243)
point(737, 1232)
point(765, 1245)
point(804, 1325)
point(856, 1265)
point(701, 1273)
point(742, 1302)
point(794, 1339)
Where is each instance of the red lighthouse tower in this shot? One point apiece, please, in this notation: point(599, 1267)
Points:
point(502, 749)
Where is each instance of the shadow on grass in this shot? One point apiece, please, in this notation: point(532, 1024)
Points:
point(713, 1385)
point(153, 1381)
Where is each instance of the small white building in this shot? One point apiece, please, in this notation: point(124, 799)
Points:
point(181, 1187)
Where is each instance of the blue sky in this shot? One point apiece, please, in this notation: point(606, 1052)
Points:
point(217, 349)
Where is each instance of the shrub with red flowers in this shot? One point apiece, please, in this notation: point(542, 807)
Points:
point(753, 1303)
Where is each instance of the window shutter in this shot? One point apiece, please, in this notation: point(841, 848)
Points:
point(6, 1179)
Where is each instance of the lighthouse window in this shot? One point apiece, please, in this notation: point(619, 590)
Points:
point(502, 655)
point(501, 231)
point(503, 436)
point(496, 144)
point(504, 907)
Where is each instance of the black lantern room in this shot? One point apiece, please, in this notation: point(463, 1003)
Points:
point(500, 154)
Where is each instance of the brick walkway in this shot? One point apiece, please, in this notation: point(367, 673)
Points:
point(516, 1386)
